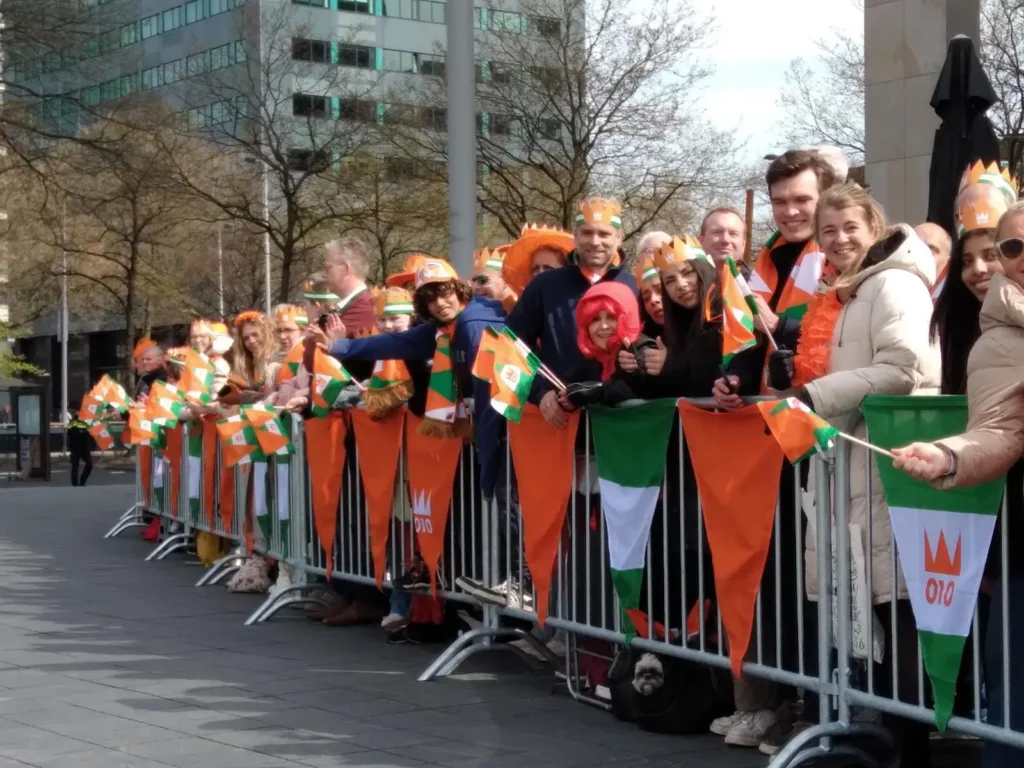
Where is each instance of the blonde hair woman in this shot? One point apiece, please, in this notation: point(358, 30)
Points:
point(253, 349)
point(866, 333)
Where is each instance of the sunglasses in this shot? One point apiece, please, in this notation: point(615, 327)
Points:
point(1011, 247)
point(481, 279)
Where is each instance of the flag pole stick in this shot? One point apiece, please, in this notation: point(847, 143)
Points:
point(865, 444)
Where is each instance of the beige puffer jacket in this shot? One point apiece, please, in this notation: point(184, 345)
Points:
point(995, 391)
point(880, 346)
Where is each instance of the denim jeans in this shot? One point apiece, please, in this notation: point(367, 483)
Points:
point(506, 494)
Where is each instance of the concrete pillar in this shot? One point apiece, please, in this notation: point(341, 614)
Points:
point(904, 48)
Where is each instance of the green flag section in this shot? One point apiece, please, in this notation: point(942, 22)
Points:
point(630, 444)
point(515, 366)
point(942, 537)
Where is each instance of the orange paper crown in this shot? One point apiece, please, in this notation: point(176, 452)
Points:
point(435, 271)
point(676, 251)
point(202, 327)
point(408, 274)
point(646, 270)
point(1001, 178)
point(487, 259)
point(394, 301)
point(249, 316)
point(289, 313)
point(517, 266)
point(140, 349)
point(177, 355)
point(599, 210)
point(980, 206)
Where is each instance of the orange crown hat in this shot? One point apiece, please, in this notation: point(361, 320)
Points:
point(676, 251)
point(202, 327)
point(394, 301)
point(599, 210)
point(516, 267)
point(177, 355)
point(140, 349)
point(646, 271)
point(435, 271)
point(222, 339)
point(486, 259)
point(1001, 178)
point(407, 276)
point(249, 316)
point(980, 206)
point(289, 313)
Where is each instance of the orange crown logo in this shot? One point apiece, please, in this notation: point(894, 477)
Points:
point(486, 259)
point(676, 251)
point(939, 561)
point(992, 174)
point(599, 210)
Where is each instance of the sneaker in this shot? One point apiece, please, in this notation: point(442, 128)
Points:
point(751, 728)
point(416, 577)
point(507, 594)
point(515, 597)
point(721, 726)
point(529, 649)
point(283, 583)
point(776, 739)
point(393, 622)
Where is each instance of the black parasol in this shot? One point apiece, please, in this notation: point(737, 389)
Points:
point(961, 98)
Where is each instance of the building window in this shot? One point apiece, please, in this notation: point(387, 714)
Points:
point(110, 41)
point(129, 84)
point(435, 118)
point(417, 10)
point(193, 11)
point(431, 65)
point(172, 19)
point(499, 125)
point(92, 96)
point(358, 110)
point(304, 105)
point(354, 6)
point(197, 64)
point(550, 128)
point(129, 34)
point(172, 72)
point(500, 74)
point(311, 50)
point(314, 3)
point(239, 52)
point(220, 6)
point(397, 168)
point(150, 26)
point(308, 160)
point(110, 90)
point(355, 56)
point(545, 27)
point(506, 21)
point(220, 57)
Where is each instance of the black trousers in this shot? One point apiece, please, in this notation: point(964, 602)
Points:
point(78, 446)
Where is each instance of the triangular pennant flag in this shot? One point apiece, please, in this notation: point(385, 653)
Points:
point(112, 393)
point(737, 465)
point(630, 445)
point(800, 432)
point(91, 409)
point(239, 444)
point(325, 454)
point(196, 377)
point(390, 386)
point(381, 439)
point(943, 537)
point(139, 430)
point(483, 364)
point(291, 363)
point(545, 455)
point(273, 437)
point(164, 404)
point(145, 463)
point(515, 367)
point(738, 311)
point(101, 434)
point(329, 379)
point(175, 437)
point(431, 462)
point(227, 497)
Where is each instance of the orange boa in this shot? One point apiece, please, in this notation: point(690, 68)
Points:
point(814, 349)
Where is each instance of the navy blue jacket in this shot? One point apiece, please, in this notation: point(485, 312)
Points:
point(419, 343)
point(545, 318)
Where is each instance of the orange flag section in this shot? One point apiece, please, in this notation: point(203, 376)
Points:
point(173, 453)
point(104, 440)
point(432, 462)
point(227, 497)
point(543, 458)
point(737, 466)
point(210, 440)
point(325, 454)
point(146, 474)
point(381, 439)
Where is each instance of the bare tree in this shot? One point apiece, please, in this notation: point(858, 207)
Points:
point(579, 97)
point(1002, 52)
point(823, 97)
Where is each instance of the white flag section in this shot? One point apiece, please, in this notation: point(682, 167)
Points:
point(259, 488)
point(628, 514)
point(195, 476)
point(284, 499)
point(158, 473)
point(943, 556)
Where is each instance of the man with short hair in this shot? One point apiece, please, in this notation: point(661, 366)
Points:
point(722, 235)
point(346, 265)
point(149, 365)
point(940, 244)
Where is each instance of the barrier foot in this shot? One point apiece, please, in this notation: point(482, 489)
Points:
point(133, 514)
point(170, 544)
point(123, 526)
point(469, 644)
point(232, 562)
point(794, 754)
point(279, 600)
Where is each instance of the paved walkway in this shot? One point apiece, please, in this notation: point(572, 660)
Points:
point(110, 662)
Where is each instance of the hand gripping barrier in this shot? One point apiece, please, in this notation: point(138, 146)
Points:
point(808, 645)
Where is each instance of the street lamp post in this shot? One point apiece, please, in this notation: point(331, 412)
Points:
point(265, 174)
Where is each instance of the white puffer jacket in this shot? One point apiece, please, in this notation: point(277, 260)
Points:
point(880, 346)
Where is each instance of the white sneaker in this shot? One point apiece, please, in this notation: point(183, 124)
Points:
point(750, 730)
point(284, 581)
point(529, 649)
point(394, 621)
point(513, 596)
point(722, 725)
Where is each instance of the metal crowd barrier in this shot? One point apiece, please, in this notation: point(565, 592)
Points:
point(480, 543)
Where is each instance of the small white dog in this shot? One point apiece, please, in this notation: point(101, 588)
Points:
point(648, 675)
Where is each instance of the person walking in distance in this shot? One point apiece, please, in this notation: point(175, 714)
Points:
point(79, 446)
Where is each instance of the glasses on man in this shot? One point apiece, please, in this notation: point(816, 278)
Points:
point(1011, 248)
point(481, 279)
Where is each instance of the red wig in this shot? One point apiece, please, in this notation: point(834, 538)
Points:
point(618, 301)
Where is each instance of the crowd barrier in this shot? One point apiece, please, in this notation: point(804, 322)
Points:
point(796, 643)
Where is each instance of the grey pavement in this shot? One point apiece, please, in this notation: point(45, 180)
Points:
point(110, 662)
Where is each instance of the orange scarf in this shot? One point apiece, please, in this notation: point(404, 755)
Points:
point(814, 349)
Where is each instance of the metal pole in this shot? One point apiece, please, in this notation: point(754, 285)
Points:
point(220, 270)
point(266, 233)
point(63, 328)
point(461, 135)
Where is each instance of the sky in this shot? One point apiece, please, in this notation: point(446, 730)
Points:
point(753, 44)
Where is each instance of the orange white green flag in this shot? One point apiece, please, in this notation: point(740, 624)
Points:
point(329, 379)
point(239, 443)
point(92, 409)
point(515, 366)
point(196, 382)
point(164, 404)
point(291, 363)
point(738, 312)
point(483, 364)
point(112, 393)
point(800, 432)
point(140, 429)
point(101, 434)
point(271, 434)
